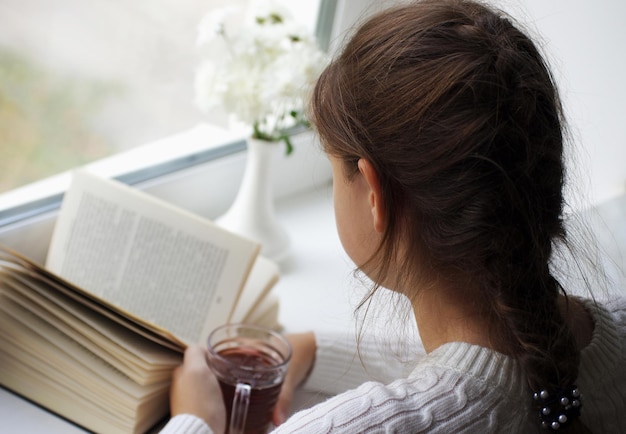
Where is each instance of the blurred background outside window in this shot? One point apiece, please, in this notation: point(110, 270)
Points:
point(82, 80)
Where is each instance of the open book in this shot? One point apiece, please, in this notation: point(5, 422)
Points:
point(129, 281)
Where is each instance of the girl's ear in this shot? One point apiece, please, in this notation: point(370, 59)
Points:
point(370, 175)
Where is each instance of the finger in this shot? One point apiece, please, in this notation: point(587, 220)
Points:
point(195, 356)
point(283, 405)
point(285, 398)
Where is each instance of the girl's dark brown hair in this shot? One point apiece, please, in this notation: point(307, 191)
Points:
point(458, 112)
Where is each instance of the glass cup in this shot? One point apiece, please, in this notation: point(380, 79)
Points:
point(250, 363)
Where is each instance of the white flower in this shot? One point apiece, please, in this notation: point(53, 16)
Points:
point(213, 24)
point(260, 72)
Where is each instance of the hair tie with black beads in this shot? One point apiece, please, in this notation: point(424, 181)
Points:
point(559, 408)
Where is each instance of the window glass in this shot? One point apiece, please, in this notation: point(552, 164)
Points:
point(83, 80)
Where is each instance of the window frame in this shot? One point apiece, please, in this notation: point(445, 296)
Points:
point(141, 164)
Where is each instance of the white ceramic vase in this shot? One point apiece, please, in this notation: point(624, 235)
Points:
point(252, 213)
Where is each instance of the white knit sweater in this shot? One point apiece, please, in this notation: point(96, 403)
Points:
point(456, 388)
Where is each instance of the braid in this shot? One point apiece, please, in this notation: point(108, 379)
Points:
point(524, 293)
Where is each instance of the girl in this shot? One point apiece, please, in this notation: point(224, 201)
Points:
point(444, 130)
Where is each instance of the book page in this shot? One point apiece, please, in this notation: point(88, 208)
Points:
point(31, 275)
point(137, 357)
point(263, 277)
point(265, 312)
point(52, 370)
point(158, 262)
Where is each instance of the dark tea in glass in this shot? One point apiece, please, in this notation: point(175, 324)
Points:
point(250, 363)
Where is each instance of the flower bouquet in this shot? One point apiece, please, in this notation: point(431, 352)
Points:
point(259, 71)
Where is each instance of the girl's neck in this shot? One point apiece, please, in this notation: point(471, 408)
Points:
point(445, 313)
point(448, 313)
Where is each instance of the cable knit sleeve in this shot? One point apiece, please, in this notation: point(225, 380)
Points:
point(340, 365)
point(186, 424)
point(450, 390)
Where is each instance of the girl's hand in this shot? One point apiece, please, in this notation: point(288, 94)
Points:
point(195, 390)
point(303, 347)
